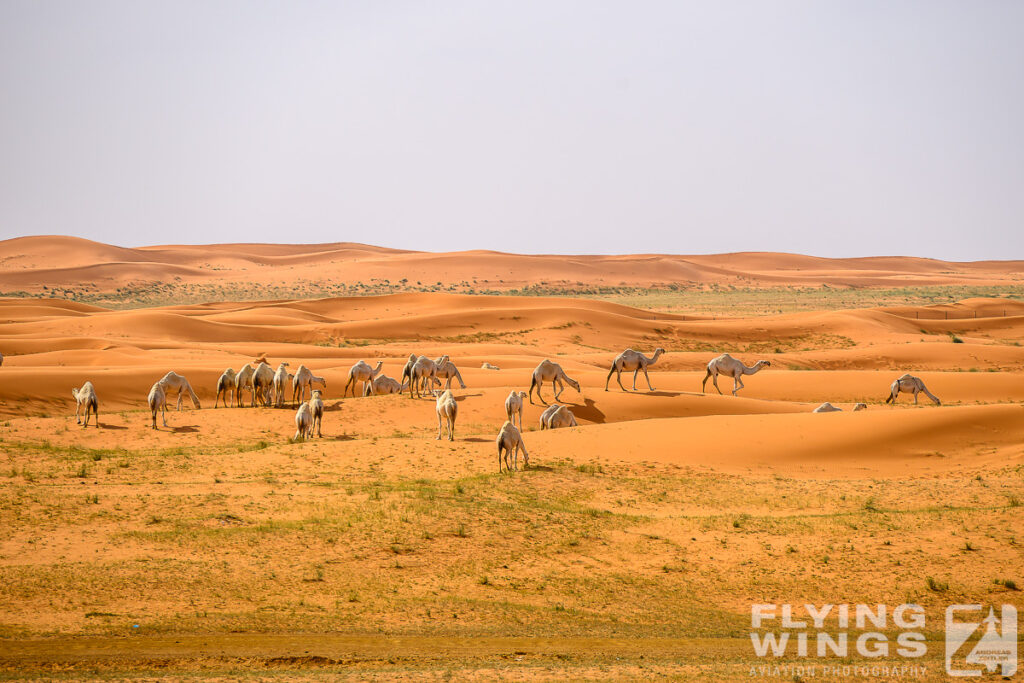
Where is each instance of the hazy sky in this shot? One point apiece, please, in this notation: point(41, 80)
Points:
point(830, 128)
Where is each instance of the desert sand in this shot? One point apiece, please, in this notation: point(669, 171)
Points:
point(633, 546)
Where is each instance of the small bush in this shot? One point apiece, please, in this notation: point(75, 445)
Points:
point(936, 586)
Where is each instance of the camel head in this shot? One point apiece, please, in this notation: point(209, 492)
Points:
point(316, 393)
point(74, 392)
point(764, 363)
point(573, 383)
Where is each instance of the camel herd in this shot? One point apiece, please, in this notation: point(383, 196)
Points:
point(426, 377)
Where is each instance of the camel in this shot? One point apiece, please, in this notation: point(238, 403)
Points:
point(827, 407)
point(279, 382)
point(510, 441)
point(730, 367)
point(447, 371)
point(1, 359)
point(407, 370)
point(514, 406)
point(382, 384)
point(422, 371)
point(557, 416)
point(361, 372)
point(551, 372)
point(632, 360)
point(288, 379)
point(225, 386)
point(303, 422)
point(447, 411)
point(158, 401)
point(488, 366)
point(910, 384)
point(859, 406)
point(262, 383)
point(173, 382)
point(86, 398)
point(316, 406)
point(243, 380)
point(305, 379)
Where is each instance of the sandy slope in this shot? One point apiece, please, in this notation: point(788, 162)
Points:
point(32, 263)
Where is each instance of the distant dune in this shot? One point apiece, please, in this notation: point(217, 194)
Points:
point(46, 263)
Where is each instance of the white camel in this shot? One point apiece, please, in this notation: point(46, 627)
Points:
point(303, 422)
point(157, 400)
point(262, 383)
point(730, 367)
point(361, 372)
point(279, 382)
point(85, 397)
point(510, 442)
point(447, 411)
point(382, 384)
point(304, 380)
point(243, 380)
point(174, 383)
point(557, 416)
point(547, 371)
point(514, 406)
point(316, 407)
point(288, 379)
point(447, 371)
point(632, 361)
point(912, 385)
point(827, 407)
point(488, 366)
point(226, 386)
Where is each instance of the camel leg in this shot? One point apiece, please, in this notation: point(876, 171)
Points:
point(635, 373)
point(557, 384)
point(915, 397)
point(539, 385)
point(714, 379)
point(648, 378)
point(96, 414)
point(78, 408)
point(163, 413)
point(86, 416)
point(737, 384)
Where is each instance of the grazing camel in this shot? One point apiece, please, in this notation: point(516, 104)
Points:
point(447, 411)
point(447, 371)
point(303, 422)
point(305, 379)
point(243, 380)
point(86, 398)
point(730, 367)
point(279, 382)
point(262, 383)
point(514, 406)
point(175, 383)
point(361, 372)
point(910, 384)
point(510, 441)
point(630, 360)
point(382, 384)
point(557, 416)
point(488, 366)
point(157, 400)
point(316, 406)
point(225, 386)
point(551, 372)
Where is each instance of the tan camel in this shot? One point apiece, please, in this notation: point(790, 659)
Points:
point(278, 384)
point(447, 371)
point(225, 386)
point(382, 384)
point(488, 366)
point(361, 372)
point(304, 380)
point(630, 360)
point(262, 383)
point(157, 400)
point(551, 372)
point(730, 367)
point(174, 383)
point(514, 406)
point(447, 411)
point(911, 385)
point(303, 422)
point(557, 416)
point(424, 370)
point(859, 406)
point(243, 380)
point(316, 406)
point(510, 442)
point(86, 398)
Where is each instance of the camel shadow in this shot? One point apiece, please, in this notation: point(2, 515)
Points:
point(340, 437)
point(465, 396)
point(539, 468)
point(117, 427)
point(476, 439)
point(187, 429)
point(589, 411)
